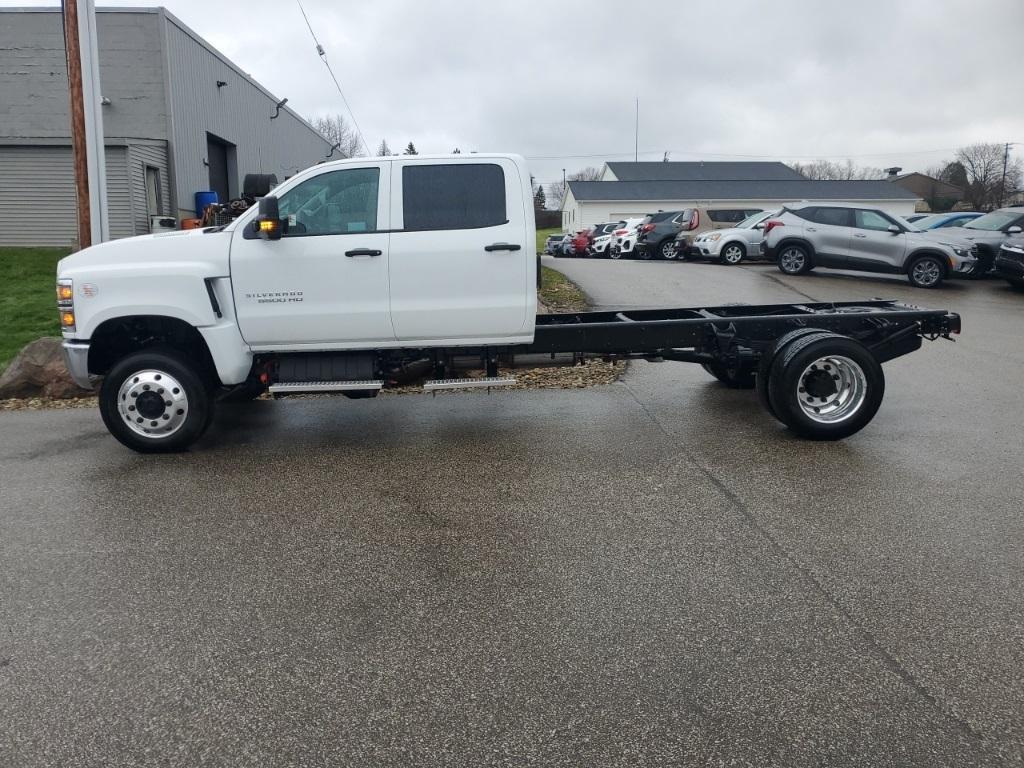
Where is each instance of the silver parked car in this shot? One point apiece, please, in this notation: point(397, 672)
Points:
point(848, 236)
point(731, 246)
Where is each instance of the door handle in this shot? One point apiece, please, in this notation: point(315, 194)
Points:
point(363, 252)
point(502, 247)
point(859, 234)
point(812, 229)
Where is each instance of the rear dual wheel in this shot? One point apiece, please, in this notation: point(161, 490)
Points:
point(822, 386)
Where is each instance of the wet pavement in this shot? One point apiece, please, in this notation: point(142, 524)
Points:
point(648, 573)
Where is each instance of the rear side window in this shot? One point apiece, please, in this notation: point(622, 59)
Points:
point(453, 196)
point(836, 217)
point(727, 215)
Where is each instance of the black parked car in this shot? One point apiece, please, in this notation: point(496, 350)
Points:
point(1009, 262)
point(657, 234)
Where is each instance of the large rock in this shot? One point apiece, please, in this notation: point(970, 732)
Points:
point(39, 371)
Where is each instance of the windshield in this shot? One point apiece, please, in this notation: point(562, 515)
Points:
point(757, 218)
point(924, 221)
point(992, 221)
point(908, 226)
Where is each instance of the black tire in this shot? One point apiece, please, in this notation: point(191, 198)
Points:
point(689, 254)
point(768, 358)
point(826, 388)
point(732, 254)
point(257, 184)
point(667, 249)
point(794, 259)
point(734, 378)
point(643, 253)
point(616, 254)
point(138, 376)
point(926, 271)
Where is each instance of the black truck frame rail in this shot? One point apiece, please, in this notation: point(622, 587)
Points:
point(888, 328)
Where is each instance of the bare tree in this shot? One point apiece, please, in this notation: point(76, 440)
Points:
point(587, 174)
point(383, 150)
point(983, 167)
point(335, 128)
point(826, 169)
point(555, 194)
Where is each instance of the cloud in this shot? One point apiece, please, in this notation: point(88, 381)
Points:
point(882, 82)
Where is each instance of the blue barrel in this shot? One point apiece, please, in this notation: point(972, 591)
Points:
point(204, 199)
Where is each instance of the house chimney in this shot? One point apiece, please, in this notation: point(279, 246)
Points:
point(894, 171)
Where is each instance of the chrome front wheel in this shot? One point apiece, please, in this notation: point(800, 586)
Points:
point(732, 254)
point(793, 260)
point(153, 403)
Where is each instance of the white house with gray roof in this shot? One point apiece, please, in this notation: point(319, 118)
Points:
point(179, 118)
point(634, 189)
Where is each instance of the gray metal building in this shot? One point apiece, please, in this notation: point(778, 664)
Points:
point(181, 118)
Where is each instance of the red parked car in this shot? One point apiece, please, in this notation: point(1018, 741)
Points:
point(581, 242)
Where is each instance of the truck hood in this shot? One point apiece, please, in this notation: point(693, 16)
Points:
point(964, 234)
point(945, 236)
point(208, 247)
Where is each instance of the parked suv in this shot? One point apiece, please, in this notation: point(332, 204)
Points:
point(657, 233)
point(808, 235)
point(624, 239)
point(990, 231)
point(601, 237)
point(731, 246)
point(553, 244)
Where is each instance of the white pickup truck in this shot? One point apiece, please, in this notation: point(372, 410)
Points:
point(352, 270)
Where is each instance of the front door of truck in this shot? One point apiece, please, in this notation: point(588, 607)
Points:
point(462, 248)
point(325, 282)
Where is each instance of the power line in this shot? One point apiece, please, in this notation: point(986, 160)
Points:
point(323, 57)
point(660, 153)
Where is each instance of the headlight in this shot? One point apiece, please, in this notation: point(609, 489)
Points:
point(714, 237)
point(66, 303)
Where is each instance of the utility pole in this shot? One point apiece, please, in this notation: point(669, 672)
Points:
point(636, 133)
point(87, 143)
point(1002, 184)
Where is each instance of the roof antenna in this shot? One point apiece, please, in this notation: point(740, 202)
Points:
point(664, 157)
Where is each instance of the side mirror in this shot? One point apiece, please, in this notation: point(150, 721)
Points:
point(1014, 230)
point(895, 229)
point(268, 223)
point(759, 226)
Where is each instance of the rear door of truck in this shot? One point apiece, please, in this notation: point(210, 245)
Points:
point(462, 251)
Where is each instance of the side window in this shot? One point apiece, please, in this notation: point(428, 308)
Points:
point(871, 220)
point(836, 217)
point(726, 216)
point(333, 203)
point(457, 196)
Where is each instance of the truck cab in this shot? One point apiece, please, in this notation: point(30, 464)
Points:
point(383, 254)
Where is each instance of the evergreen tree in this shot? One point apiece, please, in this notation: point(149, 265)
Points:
point(539, 200)
point(456, 151)
point(410, 150)
point(383, 150)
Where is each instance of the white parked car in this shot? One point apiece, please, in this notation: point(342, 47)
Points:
point(731, 246)
point(624, 239)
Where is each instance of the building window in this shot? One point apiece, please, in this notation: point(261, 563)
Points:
point(154, 197)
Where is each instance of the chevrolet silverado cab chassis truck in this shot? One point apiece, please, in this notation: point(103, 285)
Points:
point(354, 271)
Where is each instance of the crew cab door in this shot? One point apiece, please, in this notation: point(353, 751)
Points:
point(462, 251)
point(325, 282)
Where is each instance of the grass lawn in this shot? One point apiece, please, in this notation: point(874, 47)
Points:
point(556, 290)
point(28, 302)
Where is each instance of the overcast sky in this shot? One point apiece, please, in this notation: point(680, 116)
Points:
point(885, 82)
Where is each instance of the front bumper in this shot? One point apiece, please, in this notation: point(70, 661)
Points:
point(707, 247)
point(1008, 266)
point(76, 358)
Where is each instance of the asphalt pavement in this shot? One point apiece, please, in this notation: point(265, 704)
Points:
point(648, 573)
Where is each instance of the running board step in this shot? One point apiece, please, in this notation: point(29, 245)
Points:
point(301, 387)
point(495, 381)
